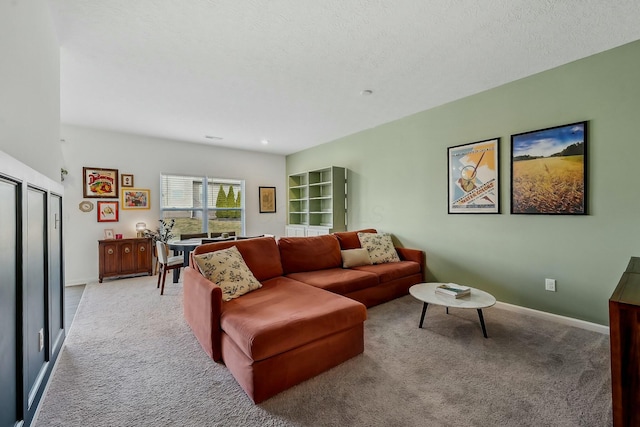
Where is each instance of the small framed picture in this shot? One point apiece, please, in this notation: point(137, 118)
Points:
point(99, 183)
point(108, 211)
point(126, 180)
point(136, 198)
point(267, 197)
point(108, 233)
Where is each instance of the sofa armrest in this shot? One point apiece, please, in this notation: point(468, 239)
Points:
point(415, 255)
point(202, 307)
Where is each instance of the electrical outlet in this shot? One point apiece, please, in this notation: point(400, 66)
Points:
point(550, 285)
point(40, 339)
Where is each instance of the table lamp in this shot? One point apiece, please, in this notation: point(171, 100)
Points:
point(140, 228)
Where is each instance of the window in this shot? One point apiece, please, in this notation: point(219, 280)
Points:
point(189, 199)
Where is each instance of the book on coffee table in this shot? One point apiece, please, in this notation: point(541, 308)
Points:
point(453, 290)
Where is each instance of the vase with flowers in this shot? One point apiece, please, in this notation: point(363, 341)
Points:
point(163, 233)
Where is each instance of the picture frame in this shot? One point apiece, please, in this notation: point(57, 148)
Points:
point(549, 170)
point(108, 211)
point(474, 177)
point(126, 180)
point(267, 199)
point(99, 183)
point(136, 198)
point(108, 234)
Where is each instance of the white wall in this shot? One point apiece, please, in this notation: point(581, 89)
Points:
point(30, 86)
point(146, 158)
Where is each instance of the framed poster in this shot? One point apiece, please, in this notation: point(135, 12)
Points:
point(136, 198)
point(99, 183)
point(267, 199)
point(473, 177)
point(126, 180)
point(549, 170)
point(108, 233)
point(108, 211)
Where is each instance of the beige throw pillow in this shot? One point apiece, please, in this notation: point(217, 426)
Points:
point(379, 246)
point(227, 269)
point(355, 257)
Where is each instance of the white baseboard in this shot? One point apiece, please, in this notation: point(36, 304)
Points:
point(77, 282)
point(555, 317)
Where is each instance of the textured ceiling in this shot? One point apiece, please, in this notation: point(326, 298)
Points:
point(292, 71)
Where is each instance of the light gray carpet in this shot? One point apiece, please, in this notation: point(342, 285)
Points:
point(131, 360)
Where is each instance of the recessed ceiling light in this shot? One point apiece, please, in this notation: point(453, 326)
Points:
point(366, 92)
point(264, 141)
point(213, 137)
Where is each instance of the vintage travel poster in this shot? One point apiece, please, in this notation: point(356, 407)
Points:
point(473, 177)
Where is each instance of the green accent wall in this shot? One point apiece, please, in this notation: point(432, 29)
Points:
point(398, 184)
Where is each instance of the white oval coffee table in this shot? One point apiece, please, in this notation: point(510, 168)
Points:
point(426, 292)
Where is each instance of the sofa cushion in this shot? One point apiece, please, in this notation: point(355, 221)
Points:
point(355, 257)
point(261, 255)
point(391, 271)
point(349, 239)
point(380, 247)
point(227, 269)
point(309, 253)
point(285, 314)
point(338, 280)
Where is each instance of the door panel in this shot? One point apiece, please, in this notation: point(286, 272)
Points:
point(56, 283)
point(127, 258)
point(143, 262)
point(35, 288)
point(9, 341)
point(110, 259)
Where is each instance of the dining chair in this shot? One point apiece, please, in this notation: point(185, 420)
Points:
point(218, 239)
point(190, 236)
point(216, 234)
point(166, 263)
point(193, 236)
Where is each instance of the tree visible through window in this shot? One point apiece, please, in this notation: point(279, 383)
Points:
point(190, 199)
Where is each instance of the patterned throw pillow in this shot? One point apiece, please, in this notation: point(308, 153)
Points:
point(227, 269)
point(380, 247)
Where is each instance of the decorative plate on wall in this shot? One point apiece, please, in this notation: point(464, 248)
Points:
point(86, 206)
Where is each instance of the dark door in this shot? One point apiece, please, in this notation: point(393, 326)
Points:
point(9, 341)
point(56, 282)
point(35, 292)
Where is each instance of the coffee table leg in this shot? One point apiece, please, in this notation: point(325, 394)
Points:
point(424, 311)
point(484, 330)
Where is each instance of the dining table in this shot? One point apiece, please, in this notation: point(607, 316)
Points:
point(186, 246)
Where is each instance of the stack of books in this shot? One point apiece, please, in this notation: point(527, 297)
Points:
point(453, 290)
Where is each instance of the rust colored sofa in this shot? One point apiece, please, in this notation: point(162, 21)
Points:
point(307, 317)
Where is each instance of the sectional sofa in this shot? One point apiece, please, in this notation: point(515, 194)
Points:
point(307, 315)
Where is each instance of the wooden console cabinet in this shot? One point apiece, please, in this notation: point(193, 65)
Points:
point(124, 257)
point(624, 324)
